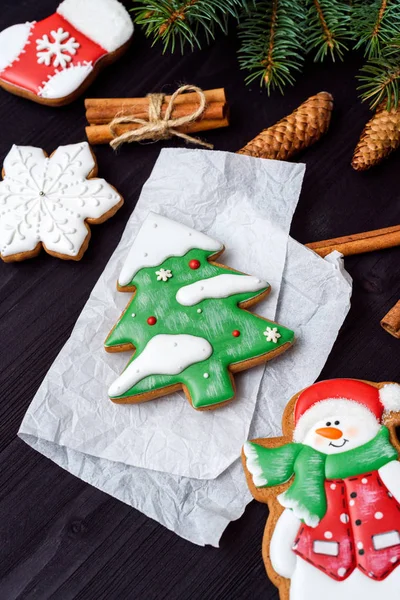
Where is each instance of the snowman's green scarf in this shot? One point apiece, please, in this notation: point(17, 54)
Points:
point(306, 495)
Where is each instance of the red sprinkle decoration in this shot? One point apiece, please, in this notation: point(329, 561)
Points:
point(194, 264)
point(235, 333)
point(151, 320)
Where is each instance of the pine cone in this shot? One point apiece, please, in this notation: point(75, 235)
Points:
point(379, 138)
point(303, 127)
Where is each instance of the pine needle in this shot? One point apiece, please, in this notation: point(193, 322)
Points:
point(375, 24)
point(328, 28)
point(184, 22)
point(380, 78)
point(272, 36)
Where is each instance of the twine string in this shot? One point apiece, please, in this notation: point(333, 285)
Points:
point(157, 127)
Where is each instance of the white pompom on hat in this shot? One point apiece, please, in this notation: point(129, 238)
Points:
point(343, 397)
point(389, 396)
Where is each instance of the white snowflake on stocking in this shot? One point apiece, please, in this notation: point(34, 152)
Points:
point(163, 274)
point(58, 52)
point(48, 201)
point(272, 334)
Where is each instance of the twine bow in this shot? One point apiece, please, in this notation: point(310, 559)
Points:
point(157, 127)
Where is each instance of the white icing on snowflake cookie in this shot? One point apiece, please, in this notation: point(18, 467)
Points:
point(49, 201)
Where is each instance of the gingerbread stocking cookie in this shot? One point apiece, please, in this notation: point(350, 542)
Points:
point(54, 60)
point(332, 484)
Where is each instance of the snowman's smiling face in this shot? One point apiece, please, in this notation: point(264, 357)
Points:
point(337, 434)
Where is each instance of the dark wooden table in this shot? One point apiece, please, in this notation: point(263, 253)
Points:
point(61, 538)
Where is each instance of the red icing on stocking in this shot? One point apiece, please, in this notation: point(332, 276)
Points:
point(49, 43)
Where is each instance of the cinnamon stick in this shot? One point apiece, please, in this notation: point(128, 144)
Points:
point(391, 321)
point(101, 134)
point(359, 242)
point(105, 113)
point(217, 95)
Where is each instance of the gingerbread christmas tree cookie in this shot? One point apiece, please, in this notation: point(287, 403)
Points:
point(332, 484)
point(188, 320)
point(49, 202)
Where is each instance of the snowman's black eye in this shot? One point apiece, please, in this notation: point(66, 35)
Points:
point(328, 424)
point(337, 422)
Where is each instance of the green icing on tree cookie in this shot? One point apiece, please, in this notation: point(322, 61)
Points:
point(191, 333)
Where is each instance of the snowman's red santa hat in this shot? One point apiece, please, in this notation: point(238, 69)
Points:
point(338, 397)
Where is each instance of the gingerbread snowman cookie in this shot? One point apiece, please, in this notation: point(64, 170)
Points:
point(54, 60)
point(332, 484)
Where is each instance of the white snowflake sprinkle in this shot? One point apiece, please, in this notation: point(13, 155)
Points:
point(272, 334)
point(163, 274)
point(58, 52)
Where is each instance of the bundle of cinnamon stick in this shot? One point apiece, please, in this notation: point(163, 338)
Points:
point(100, 112)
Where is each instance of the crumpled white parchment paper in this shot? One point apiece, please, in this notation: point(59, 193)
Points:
point(313, 301)
point(316, 298)
point(247, 204)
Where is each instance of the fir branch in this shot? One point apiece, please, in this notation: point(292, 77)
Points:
point(375, 24)
point(275, 35)
point(328, 28)
point(183, 21)
point(272, 35)
point(380, 78)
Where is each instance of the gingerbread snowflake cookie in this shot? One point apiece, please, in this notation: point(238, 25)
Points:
point(186, 321)
point(49, 202)
point(53, 61)
point(332, 484)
